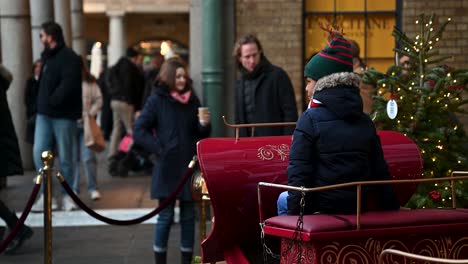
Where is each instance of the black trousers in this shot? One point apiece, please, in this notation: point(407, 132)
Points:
point(7, 215)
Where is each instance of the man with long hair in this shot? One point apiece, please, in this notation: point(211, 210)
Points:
point(58, 106)
point(264, 93)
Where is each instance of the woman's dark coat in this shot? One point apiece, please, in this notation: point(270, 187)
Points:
point(337, 143)
point(10, 158)
point(273, 98)
point(170, 130)
point(30, 101)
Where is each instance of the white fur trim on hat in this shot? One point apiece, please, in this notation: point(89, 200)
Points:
point(339, 78)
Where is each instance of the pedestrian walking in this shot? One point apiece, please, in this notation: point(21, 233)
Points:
point(10, 163)
point(59, 106)
point(125, 87)
point(170, 128)
point(92, 103)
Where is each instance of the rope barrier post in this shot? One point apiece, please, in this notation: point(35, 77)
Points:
point(47, 158)
point(202, 219)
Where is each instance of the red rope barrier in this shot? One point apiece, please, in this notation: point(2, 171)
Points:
point(139, 220)
point(19, 224)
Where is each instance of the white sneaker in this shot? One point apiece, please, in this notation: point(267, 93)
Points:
point(54, 204)
point(39, 204)
point(176, 214)
point(95, 195)
point(68, 204)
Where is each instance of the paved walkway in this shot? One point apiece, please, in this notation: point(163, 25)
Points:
point(79, 239)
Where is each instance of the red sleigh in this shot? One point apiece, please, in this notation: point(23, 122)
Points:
point(232, 168)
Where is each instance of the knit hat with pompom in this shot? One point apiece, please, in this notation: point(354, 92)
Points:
point(335, 57)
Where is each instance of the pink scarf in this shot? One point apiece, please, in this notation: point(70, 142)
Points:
point(181, 98)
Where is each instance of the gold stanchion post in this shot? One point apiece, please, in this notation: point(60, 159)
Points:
point(202, 220)
point(47, 158)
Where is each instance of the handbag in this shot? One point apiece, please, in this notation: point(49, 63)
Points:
point(93, 137)
point(126, 143)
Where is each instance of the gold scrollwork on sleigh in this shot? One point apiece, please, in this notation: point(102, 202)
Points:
point(269, 152)
point(335, 253)
point(443, 247)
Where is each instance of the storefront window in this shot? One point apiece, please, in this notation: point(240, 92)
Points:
point(369, 22)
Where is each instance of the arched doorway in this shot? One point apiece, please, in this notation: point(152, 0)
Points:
point(165, 46)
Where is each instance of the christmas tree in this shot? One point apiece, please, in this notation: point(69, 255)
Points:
point(422, 100)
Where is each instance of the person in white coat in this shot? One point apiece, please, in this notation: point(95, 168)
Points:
point(92, 103)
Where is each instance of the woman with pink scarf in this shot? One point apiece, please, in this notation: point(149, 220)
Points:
point(169, 127)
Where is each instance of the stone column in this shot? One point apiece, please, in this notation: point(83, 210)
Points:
point(41, 11)
point(117, 37)
point(196, 46)
point(62, 17)
point(77, 25)
point(16, 54)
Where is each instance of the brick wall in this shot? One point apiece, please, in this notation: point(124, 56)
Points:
point(278, 25)
point(455, 39)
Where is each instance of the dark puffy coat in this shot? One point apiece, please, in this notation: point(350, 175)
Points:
point(274, 101)
point(170, 130)
point(59, 93)
point(106, 111)
point(337, 143)
point(126, 82)
point(10, 161)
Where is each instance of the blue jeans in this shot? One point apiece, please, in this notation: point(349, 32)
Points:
point(88, 157)
point(282, 203)
point(60, 133)
point(187, 224)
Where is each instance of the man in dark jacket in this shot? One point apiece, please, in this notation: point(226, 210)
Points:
point(30, 100)
point(10, 163)
point(59, 106)
point(335, 141)
point(150, 75)
point(264, 94)
point(126, 90)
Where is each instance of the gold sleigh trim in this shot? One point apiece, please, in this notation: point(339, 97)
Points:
point(268, 152)
point(335, 253)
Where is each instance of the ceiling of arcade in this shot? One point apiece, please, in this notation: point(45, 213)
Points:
point(137, 6)
point(144, 19)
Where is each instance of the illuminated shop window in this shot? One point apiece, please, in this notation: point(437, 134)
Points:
point(368, 22)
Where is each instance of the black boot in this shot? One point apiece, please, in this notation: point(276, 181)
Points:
point(24, 233)
point(160, 257)
point(187, 257)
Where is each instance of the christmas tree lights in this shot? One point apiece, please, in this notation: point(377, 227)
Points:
point(422, 99)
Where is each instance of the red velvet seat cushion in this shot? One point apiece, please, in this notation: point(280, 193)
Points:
point(371, 220)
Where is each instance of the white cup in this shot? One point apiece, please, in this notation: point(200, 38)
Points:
point(202, 115)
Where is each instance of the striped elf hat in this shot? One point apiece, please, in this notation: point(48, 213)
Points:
point(335, 57)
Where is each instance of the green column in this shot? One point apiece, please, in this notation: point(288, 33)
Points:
point(212, 68)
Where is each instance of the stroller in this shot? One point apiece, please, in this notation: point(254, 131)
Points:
point(130, 157)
